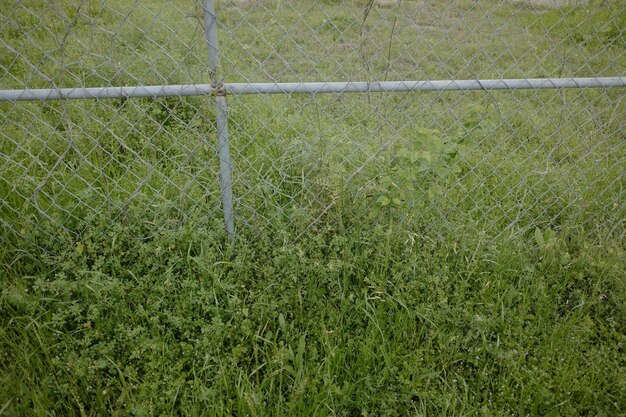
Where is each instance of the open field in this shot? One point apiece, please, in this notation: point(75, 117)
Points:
point(458, 253)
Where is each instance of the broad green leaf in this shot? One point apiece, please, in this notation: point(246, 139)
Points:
point(442, 171)
point(423, 133)
point(383, 200)
point(283, 324)
point(539, 237)
point(426, 156)
point(301, 346)
point(451, 149)
point(434, 191)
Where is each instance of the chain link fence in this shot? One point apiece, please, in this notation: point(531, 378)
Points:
point(474, 116)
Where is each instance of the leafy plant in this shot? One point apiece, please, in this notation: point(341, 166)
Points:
point(420, 169)
point(551, 248)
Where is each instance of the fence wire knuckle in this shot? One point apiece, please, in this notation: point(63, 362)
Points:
point(504, 115)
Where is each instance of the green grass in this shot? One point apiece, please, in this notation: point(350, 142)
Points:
point(397, 254)
point(355, 321)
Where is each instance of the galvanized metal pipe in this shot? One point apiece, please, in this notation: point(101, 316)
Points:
point(309, 88)
point(210, 23)
point(443, 85)
point(105, 92)
point(226, 167)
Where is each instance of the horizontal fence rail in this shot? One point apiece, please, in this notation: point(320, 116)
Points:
point(309, 88)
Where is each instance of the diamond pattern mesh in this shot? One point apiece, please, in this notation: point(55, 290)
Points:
point(499, 161)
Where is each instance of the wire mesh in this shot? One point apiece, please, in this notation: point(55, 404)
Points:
point(489, 162)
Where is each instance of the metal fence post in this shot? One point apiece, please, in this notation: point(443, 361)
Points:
point(210, 22)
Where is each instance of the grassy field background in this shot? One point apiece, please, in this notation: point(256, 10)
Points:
point(397, 254)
